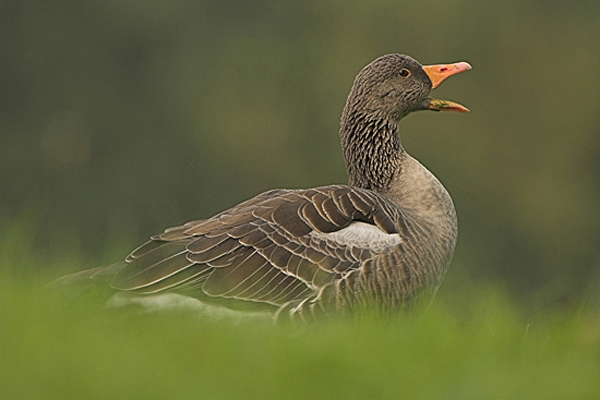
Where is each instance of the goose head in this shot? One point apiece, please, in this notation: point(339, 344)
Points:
point(395, 85)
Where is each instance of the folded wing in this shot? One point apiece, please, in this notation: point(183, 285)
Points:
point(280, 246)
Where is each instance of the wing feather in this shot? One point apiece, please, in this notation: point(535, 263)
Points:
point(178, 279)
point(141, 274)
point(202, 253)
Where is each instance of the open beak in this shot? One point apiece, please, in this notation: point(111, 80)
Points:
point(438, 74)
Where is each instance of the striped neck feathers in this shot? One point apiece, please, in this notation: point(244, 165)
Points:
point(372, 149)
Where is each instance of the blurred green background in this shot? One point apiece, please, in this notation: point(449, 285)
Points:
point(119, 119)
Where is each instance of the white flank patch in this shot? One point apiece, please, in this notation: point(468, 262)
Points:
point(361, 234)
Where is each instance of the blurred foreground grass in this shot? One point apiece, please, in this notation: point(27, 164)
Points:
point(475, 344)
point(53, 348)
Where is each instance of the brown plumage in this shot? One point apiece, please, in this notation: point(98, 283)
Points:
point(384, 241)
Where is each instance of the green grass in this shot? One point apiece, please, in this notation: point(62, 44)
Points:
point(55, 347)
point(471, 344)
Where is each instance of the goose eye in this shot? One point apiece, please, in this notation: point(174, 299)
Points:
point(404, 72)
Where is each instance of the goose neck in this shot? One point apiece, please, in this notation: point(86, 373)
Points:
point(372, 150)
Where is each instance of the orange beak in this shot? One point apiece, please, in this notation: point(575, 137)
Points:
point(438, 74)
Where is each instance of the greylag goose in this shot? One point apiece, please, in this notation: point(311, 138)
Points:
point(383, 241)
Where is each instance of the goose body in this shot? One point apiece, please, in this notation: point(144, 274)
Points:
point(384, 240)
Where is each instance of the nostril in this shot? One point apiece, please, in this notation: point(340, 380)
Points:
point(443, 69)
